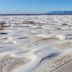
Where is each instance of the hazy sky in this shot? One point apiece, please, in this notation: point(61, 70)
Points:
point(34, 6)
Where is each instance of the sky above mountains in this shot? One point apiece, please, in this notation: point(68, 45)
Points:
point(34, 6)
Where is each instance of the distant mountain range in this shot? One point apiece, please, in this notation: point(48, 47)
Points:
point(60, 13)
point(48, 13)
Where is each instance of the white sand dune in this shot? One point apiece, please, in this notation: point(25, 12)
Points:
point(36, 57)
point(54, 65)
point(36, 63)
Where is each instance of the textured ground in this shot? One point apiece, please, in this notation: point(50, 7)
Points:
point(38, 43)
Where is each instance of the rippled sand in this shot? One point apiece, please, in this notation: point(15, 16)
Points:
point(38, 43)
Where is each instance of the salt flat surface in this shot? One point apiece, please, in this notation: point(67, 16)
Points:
point(29, 43)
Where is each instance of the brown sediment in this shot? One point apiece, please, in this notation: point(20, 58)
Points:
point(64, 45)
point(8, 63)
point(11, 66)
point(66, 68)
point(50, 39)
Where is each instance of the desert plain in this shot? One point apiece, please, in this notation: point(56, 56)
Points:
point(36, 43)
